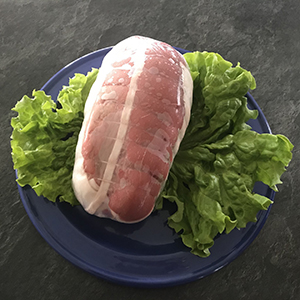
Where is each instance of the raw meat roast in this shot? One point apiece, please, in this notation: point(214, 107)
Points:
point(134, 120)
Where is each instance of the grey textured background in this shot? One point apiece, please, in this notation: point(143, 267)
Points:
point(38, 38)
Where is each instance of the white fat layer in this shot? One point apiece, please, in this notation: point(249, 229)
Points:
point(187, 85)
point(139, 61)
point(90, 198)
point(84, 189)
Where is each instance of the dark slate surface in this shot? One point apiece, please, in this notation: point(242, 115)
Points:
point(38, 38)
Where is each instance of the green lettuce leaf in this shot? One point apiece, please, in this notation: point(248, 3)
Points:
point(219, 102)
point(45, 135)
point(220, 158)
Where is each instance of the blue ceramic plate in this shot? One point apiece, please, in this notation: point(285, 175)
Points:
point(147, 254)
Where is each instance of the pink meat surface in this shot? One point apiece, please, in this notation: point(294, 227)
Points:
point(135, 118)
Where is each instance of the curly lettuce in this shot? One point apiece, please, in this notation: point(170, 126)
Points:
point(44, 138)
point(220, 158)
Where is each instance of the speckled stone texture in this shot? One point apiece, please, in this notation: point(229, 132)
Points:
point(38, 38)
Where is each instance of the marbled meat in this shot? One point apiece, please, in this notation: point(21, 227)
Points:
point(134, 120)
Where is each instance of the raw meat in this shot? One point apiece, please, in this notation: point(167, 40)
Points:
point(134, 120)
